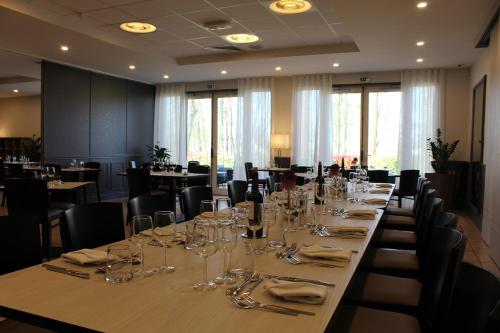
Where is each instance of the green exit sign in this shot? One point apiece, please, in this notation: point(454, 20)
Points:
point(364, 79)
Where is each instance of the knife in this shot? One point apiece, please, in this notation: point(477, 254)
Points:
point(67, 271)
point(296, 279)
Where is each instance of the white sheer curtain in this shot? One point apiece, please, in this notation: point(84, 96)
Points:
point(422, 109)
point(171, 120)
point(253, 128)
point(312, 119)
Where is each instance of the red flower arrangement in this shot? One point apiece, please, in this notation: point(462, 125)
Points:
point(288, 180)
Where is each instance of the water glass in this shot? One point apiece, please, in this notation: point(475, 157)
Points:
point(140, 224)
point(204, 243)
point(240, 216)
point(164, 235)
point(118, 264)
point(207, 206)
point(275, 230)
point(228, 239)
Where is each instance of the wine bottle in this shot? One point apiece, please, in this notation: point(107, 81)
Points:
point(342, 168)
point(320, 181)
point(255, 198)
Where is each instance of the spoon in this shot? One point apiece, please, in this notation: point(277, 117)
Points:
point(233, 291)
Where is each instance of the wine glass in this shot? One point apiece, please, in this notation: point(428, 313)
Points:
point(51, 172)
point(82, 164)
point(163, 236)
point(44, 173)
point(141, 223)
point(228, 238)
point(203, 242)
point(320, 191)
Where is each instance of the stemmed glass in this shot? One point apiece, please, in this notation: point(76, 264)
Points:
point(44, 172)
point(203, 242)
point(141, 223)
point(254, 225)
point(51, 172)
point(228, 238)
point(320, 191)
point(163, 236)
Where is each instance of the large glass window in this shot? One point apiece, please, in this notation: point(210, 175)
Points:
point(199, 129)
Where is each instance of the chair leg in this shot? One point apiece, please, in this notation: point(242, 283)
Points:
point(46, 239)
point(98, 192)
point(400, 199)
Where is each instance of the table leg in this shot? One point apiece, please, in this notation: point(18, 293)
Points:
point(172, 183)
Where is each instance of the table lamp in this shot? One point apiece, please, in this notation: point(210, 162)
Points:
point(280, 141)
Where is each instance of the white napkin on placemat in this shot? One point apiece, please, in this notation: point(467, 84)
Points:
point(300, 292)
point(375, 201)
point(348, 231)
point(381, 191)
point(85, 257)
point(384, 185)
point(330, 253)
point(361, 214)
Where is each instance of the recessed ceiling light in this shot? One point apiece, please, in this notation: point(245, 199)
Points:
point(166, 76)
point(290, 6)
point(64, 48)
point(138, 27)
point(241, 38)
point(131, 67)
point(278, 68)
point(336, 64)
point(420, 60)
point(422, 4)
point(420, 43)
point(15, 91)
point(223, 72)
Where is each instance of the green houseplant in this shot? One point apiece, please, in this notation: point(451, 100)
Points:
point(440, 152)
point(32, 148)
point(159, 153)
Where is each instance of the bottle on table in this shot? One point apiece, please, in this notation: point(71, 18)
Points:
point(256, 198)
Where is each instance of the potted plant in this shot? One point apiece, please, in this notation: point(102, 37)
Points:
point(442, 180)
point(159, 153)
point(32, 148)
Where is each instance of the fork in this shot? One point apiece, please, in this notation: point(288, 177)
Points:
point(258, 304)
point(243, 304)
point(297, 261)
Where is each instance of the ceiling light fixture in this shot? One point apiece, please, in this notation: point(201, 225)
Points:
point(290, 6)
point(336, 64)
point(223, 72)
point(422, 4)
point(64, 48)
point(138, 27)
point(131, 67)
point(166, 76)
point(15, 91)
point(420, 43)
point(241, 38)
point(420, 60)
point(278, 68)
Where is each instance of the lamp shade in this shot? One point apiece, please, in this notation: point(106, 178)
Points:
point(280, 141)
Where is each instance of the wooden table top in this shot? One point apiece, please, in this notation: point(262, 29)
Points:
point(167, 174)
point(272, 169)
point(168, 303)
point(79, 169)
point(66, 186)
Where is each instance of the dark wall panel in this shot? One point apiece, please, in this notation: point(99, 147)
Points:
point(66, 105)
point(140, 102)
point(108, 116)
point(95, 117)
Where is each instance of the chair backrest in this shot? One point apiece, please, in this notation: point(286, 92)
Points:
point(300, 168)
point(282, 162)
point(418, 196)
point(426, 187)
point(139, 182)
point(378, 176)
point(57, 167)
point(248, 169)
point(447, 219)
point(440, 274)
point(92, 225)
point(92, 175)
point(199, 181)
point(191, 164)
point(27, 197)
point(178, 168)
point(270, 182)
point(475, 298)
point(132, 164)
point(19, 242)
point(148, 204)
point(16, 171)
point(430, 216)
point(237, 190)
point(408, 182)
point(191, 199)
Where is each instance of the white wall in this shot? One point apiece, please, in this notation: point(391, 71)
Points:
point(20, 116)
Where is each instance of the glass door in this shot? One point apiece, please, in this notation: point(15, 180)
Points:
point(347, 122)
point(199, 129)
point(384, 108)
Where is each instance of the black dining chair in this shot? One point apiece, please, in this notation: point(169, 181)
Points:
point(92, 225)
point(392, 210)
point(248, 174)
point(31, 197)
point(237, 190)
point(191, 165)
point(191, 199)
point(93, 176)
point(2, 179)
point(429, 299)
point(148, 204)
point(199, 181)
point(16, 171)
point(20, 245)
point(407, 189)
point(140, 183)
point(378, 176)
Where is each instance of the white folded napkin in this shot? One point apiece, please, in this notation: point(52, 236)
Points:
point(361, 214)
point(85, 257)
point(381, 191)
point(348, 231)
point(384, 185)
point(375, 201)
point(330, 253)
point(300, 292)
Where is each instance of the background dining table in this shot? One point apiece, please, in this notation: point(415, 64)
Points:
point(167, 302)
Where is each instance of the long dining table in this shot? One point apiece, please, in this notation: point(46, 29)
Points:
point(166, 302)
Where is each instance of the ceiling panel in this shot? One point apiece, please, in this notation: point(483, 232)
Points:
point(146, 9)
point(171, 23)
point(186, 6)
point(82, 5)
point(53, 7)
point(117, 2)
point(247, 12)
point(192, 33)
point(303, 20)
point(162, 37)
point(206, 15)
point(269, 23)
point(110, 16)
point(229, 3)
